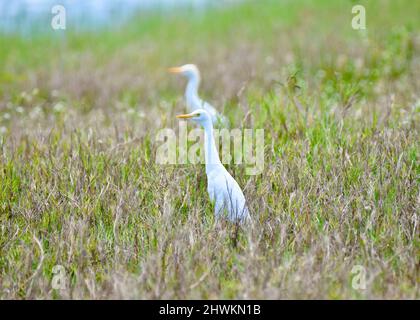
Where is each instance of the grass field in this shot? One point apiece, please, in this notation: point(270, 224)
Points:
point(340, 109)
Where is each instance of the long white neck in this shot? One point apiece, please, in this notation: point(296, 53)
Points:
point(191, 92)
point(210, 151)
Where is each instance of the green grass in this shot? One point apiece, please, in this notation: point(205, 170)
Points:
point(80, 186)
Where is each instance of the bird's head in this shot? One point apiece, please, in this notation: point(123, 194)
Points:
point(187, 70)
point(200, 116)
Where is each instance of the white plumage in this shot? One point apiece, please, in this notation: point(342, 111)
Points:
point(223, 190)
point(191, 72)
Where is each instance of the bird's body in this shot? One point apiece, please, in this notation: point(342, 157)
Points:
point(227, 196)
point(224, 191)
point(194, 102)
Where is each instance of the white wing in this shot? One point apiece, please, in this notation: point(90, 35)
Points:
point(227, 196)
point(217, 118)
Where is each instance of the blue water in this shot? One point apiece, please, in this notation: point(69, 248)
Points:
point(30, 16)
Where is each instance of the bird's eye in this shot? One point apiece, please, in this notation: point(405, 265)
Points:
point(198, 114)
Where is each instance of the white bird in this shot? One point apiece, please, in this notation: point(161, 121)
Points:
point(223, 190)
point(191, 72)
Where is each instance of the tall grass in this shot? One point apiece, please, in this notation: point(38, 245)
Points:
point(80, 187)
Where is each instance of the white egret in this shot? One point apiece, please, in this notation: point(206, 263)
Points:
point(191, 72)
point(223, 190)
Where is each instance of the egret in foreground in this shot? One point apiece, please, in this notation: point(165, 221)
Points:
point(223, 190)
point(191, 72)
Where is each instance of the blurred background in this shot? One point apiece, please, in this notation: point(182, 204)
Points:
point(109, 64)
point(28, 16)
point(80, 110)
point(117, 52)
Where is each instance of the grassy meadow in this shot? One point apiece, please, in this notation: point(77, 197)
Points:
point(340, 109)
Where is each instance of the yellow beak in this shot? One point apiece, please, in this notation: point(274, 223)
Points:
point(185, 116)
point(175, 70)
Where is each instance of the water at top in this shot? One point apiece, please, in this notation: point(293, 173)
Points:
point(30, 16)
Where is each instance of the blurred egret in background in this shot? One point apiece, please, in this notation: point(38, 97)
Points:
point(191, 72)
